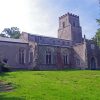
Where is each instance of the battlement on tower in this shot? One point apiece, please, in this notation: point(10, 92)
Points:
point(69, 14)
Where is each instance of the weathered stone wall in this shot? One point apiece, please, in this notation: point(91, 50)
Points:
point(71, 30)
point(93, 51)
point(64, 32)
point(56, 55)
point(80, 56)
point(24, 36)
point(33, 48)
point(10, 51)
point(43, 40)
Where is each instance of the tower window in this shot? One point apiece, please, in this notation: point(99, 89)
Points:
point(63, 24)
point(74, 24)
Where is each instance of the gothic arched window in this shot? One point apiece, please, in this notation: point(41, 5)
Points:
point(30, 57)
point(65, 58)
point(77, 61)
point(22, 56)
point(48, 57)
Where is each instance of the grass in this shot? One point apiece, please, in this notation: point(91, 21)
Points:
point(52, 85)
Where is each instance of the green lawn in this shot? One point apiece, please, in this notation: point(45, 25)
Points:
point(52, 85)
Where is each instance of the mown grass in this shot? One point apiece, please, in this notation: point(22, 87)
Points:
point(52, 85)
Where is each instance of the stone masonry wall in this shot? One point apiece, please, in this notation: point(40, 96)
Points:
point(10, 51)
point(80, 56)
point(57, 61)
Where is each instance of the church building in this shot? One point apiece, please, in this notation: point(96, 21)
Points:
point(35, 52)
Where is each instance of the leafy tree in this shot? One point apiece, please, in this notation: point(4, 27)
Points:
point(96, 38)
point(12, 32)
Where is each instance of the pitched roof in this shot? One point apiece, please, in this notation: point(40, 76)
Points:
point(3, 39)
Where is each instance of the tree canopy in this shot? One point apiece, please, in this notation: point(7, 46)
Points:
point(96, 38)
point(12, 32)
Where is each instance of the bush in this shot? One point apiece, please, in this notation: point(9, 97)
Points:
point(3, 67)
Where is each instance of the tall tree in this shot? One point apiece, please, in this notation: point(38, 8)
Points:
point(96, 38)
point(12, 32)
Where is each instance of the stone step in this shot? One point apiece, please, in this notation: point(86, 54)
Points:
point(7, 85)
point(1, 83)
point(9, 88)
point(0, 86)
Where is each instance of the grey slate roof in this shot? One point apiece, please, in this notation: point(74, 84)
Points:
point(3, 39)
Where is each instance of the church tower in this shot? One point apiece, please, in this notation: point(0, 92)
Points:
point(69, 28)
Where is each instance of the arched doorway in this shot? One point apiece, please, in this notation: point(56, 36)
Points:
point(93, 63)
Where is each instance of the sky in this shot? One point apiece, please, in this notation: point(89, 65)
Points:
point(41, 16)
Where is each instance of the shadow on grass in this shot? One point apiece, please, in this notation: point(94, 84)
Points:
point(3, 97)
point(49, 70)
point(2, 74)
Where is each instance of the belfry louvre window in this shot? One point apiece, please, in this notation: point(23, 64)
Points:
point(63, 24)
point(74, 24)
point(48, 57)
point(22, 56)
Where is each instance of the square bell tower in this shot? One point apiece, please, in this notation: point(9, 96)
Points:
point(69, 28)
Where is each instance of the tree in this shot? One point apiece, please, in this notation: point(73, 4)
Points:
point(96, 38)
point(12, 32)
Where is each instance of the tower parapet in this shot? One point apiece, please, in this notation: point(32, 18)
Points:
point(68, 14)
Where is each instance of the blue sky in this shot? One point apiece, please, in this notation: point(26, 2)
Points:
point(41, 16)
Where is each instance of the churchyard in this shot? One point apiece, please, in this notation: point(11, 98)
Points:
point(50, 85)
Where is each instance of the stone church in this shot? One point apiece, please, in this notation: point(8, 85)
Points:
point(69, 51)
